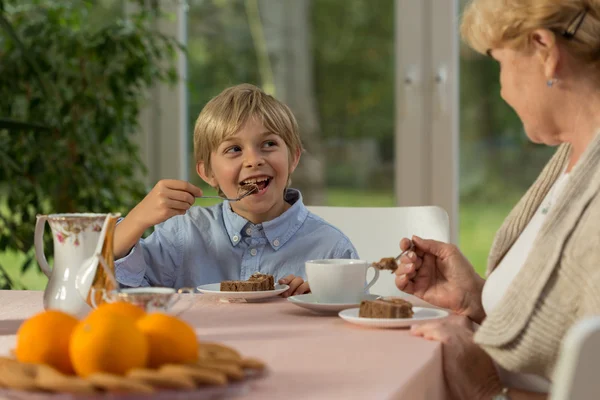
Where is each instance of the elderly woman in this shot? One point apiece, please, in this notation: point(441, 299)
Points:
point(544, 265)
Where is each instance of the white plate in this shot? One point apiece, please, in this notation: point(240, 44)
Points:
point(421, 315)
point(308, 301)
point(214, 289)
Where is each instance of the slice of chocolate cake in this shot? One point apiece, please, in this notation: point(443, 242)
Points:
point(388, 263)
point(387, 307)
point(257, 282)
point(268, 281)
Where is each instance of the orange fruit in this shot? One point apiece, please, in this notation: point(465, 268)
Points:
point(107, 342)
point(122, 308)
point(171, 340)
point(44, 339)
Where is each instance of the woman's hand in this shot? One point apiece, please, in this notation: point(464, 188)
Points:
point(438, 273)
point(469, 372)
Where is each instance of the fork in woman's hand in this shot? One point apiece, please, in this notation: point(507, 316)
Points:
point(392, 263)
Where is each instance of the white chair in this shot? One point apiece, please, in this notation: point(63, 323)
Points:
point(376, 232)
point(576, 373)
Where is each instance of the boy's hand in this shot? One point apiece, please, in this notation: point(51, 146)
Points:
point(168, 198)
point(297, 286)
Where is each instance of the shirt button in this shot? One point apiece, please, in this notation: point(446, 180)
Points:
point(276, 242)
point(236, 238)
point(249, 231)
point(253, 252)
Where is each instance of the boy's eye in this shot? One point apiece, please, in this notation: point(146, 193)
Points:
point(233, 149)
point(270, 143)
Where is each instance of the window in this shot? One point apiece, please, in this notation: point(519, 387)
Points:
point(331, 61)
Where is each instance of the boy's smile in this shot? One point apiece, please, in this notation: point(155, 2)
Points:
point(252, 156)
point(261, 182)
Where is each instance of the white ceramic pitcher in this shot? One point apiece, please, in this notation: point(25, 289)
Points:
point(79, 241)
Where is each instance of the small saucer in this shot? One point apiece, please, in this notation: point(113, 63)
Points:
point(309, 302)
point(421, 315)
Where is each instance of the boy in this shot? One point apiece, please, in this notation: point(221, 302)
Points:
point(242, 136)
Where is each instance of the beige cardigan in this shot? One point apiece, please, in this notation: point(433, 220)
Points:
point(560, 280)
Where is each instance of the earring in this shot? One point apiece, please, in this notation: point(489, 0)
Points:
point(551, 82)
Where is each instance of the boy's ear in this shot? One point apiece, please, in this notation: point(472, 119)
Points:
point(205, 175)
point(295, 160)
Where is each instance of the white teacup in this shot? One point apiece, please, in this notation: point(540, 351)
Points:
point(162, 299)
point(339, 280)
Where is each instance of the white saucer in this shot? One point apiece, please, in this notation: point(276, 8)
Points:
point(214, 289)
point(421, 315)
point(309, 302)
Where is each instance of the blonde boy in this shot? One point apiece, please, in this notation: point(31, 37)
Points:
point(241, 136)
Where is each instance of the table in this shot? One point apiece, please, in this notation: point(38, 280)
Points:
point(309, 356)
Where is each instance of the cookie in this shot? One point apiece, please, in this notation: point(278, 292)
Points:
point(115, 383)
point(49, 379)
point(162, 379)
point(228, 367)
point(201, 376)
point(252, 363)
point(16, 375)
point(218, 351)
point(8, 360)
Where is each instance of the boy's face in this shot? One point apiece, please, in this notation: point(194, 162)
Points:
point(252, 155)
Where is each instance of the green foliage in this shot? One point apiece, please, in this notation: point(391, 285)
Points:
point(71, 89)
point(354, 69)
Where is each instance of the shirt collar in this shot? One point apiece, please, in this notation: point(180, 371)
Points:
point(279, 230)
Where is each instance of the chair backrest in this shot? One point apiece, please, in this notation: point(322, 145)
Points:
point(376, 232)
point(576, 373)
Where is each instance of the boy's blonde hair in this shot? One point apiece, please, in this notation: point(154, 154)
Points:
point(489, 24)
point(226, 114)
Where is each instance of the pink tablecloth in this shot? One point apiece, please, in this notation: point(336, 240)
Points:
point(309, 356)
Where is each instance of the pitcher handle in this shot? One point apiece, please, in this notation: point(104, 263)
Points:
point(38, 241)
point(190, 302)
point(375, 277)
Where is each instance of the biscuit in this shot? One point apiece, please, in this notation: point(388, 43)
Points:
point(218, 351)
point(115, 383)
point(201, 376)
point(252, 363)
point(229, 368)
point(48, 378)
point(162, 379)
point(7, 360)
point(16, 375)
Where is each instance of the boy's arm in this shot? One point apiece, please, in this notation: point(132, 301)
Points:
point(168, 198)
point(127, 234)
point(153, 261)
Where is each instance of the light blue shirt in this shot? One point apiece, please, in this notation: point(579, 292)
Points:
point(213, 244)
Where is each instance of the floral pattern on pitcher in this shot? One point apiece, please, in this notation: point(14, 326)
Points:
point(69, 229)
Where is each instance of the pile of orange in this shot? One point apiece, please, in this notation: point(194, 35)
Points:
point(114, 338)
